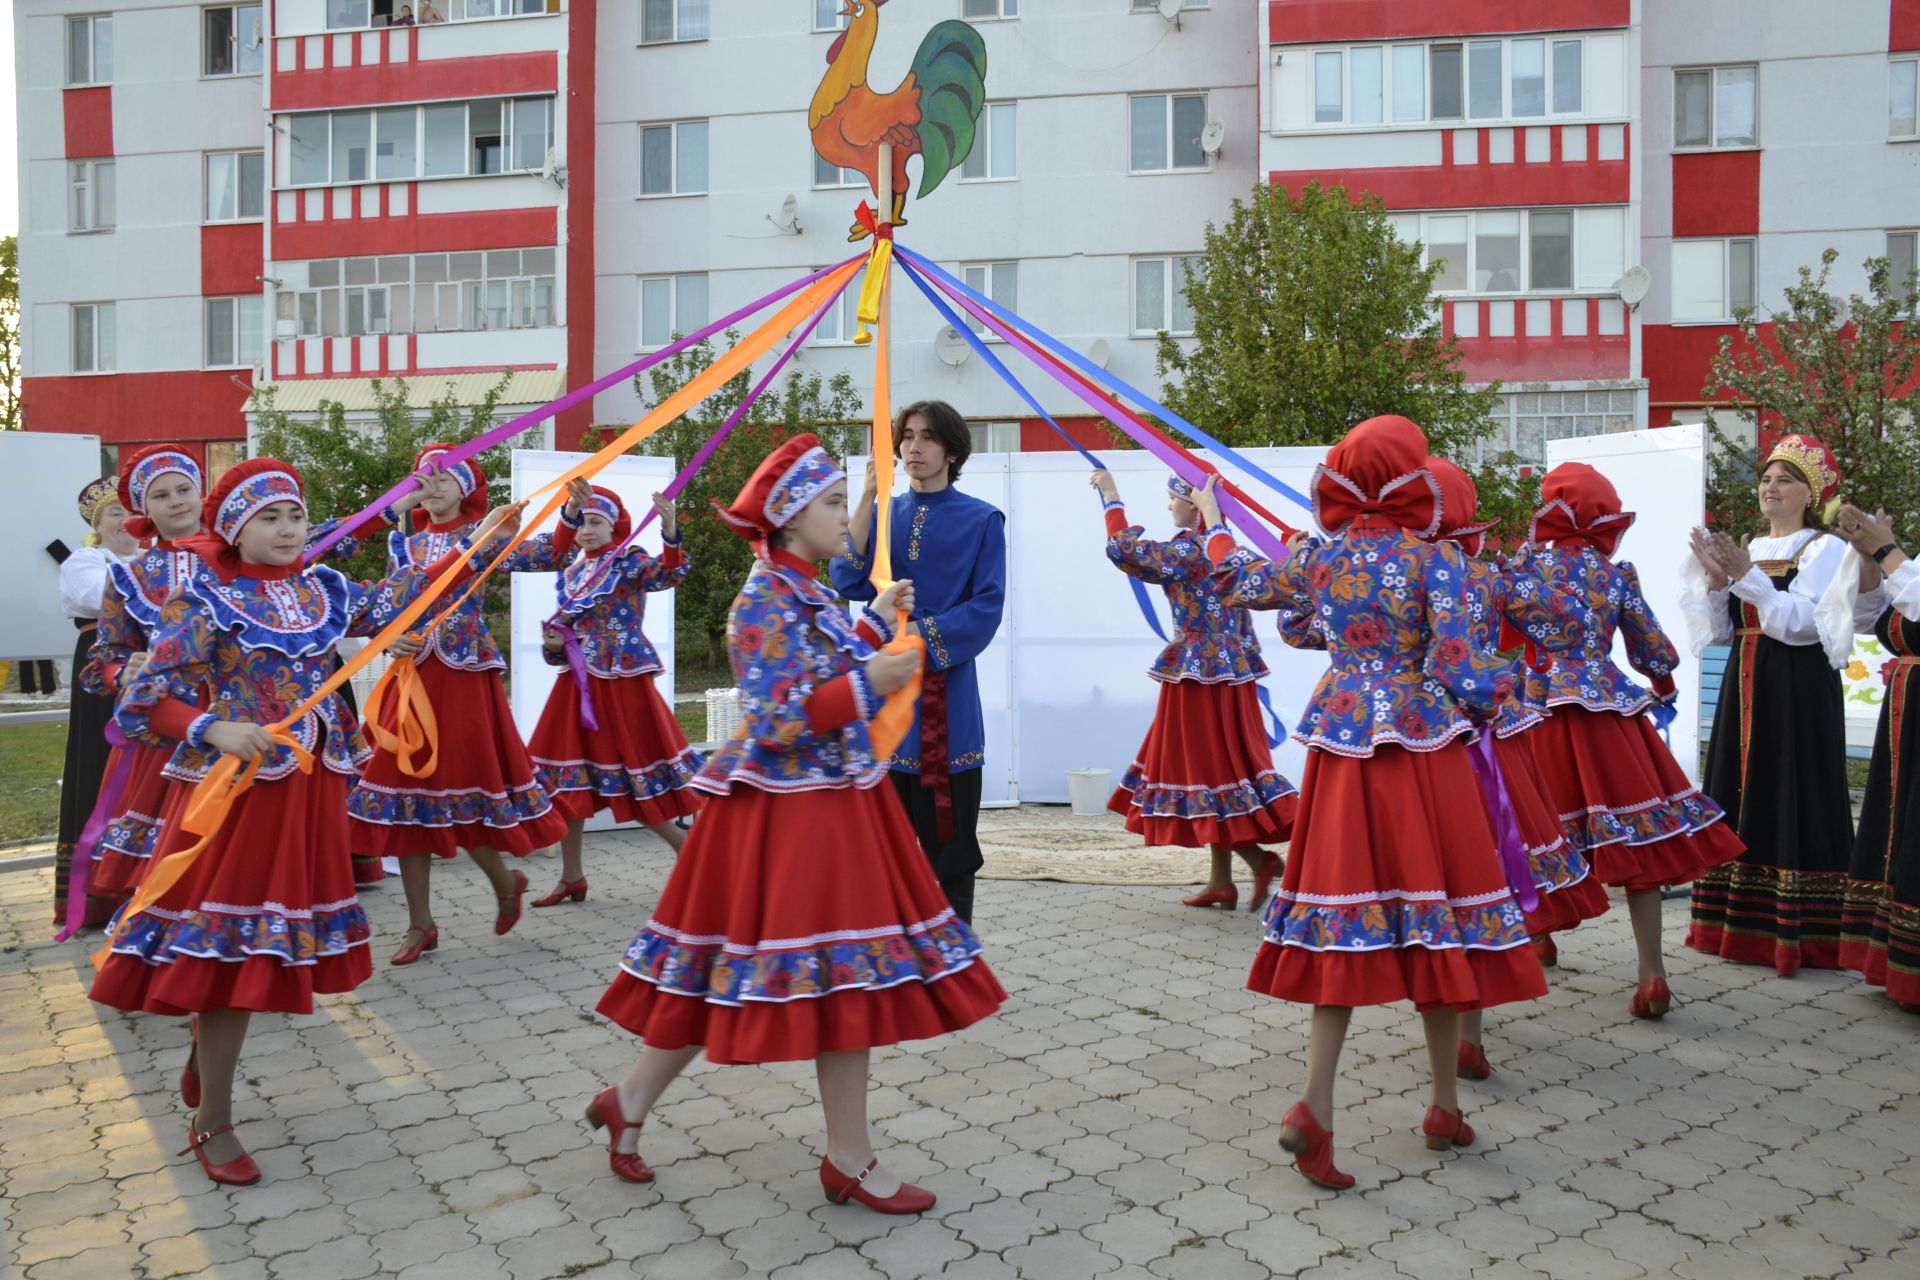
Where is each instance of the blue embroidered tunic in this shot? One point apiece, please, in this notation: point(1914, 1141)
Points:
point(130, 612)
point(1215, 643)
point(805, 700)
point(1550, 617)
point(1609, 599)
point(954, 548)
point(459, 636)
point(1393, 614)
point(604, 599)
point(260, 646)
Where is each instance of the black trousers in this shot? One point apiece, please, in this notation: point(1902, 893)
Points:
point(956, 861)
point(38, 676)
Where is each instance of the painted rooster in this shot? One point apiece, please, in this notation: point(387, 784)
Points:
point(931, 115)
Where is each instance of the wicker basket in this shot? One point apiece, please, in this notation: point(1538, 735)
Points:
point(723, 714)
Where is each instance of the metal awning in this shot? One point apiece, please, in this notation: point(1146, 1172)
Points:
point(524, 387)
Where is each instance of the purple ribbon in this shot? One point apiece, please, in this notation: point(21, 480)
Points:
point(105, 809)
point(577, 663)
point(506, 431)
point(1506, 828)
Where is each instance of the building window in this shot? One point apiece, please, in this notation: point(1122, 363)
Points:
point(440, 140)
point(1716, 107)
point(1712, 279)
point(841, 320)
point(1903, 80)
point(828, 174)
point(994, 437)
point(995, 144)
point(1000, 281)
point(1902, 259)
point(346, 15)
point(670, 306)
point(92, 206)
point(673, 159)
point(235, 334)
point(90, 49)
point(1166, 132)
point(990, 8)
point(236, 186)
point(234, 40)
point(1153, 6)
point(1160, 296)
point(424, 293)
point(669, 21)
point(93, 344)
point(829, 15)
point(1509, 251)
point(1520, 79)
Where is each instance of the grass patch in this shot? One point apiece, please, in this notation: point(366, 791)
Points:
point(32, 758)
point(693, 720)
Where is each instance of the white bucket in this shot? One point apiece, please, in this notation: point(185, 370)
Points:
point(1087, 791)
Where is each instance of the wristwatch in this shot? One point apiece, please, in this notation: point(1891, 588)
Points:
point(1880, 556)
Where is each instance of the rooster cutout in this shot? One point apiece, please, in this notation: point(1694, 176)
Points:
point(932, 114)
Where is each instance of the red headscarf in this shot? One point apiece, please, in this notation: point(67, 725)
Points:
point(472, 479)
point(243, 492)
point(780, 488)
point(140, 470)
point(1460, 502)
point(1579, 505)
point(1378, 470)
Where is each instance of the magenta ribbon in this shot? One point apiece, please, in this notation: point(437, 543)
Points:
point(577, 663)
point(105, 810)
point(507, 430)
point(1506, 828)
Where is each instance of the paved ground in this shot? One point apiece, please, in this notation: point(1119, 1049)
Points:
point(1117, 1119)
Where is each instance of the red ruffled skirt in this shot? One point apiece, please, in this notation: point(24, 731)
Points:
point(800, 923)
point(126, 846)
point(1205, 774)
point(1394, 890)
point(1569, 891)
point(1624, 802)
point(263, 919)
point(637, 763)
point(482, 791)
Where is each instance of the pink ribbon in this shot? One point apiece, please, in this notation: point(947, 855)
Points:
point(1506, 828)
point(577, 663)
point(105, 810)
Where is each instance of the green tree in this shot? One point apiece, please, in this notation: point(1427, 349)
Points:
point(803, 402)
point(10, 333)
point(1821, 367)
point(1310, 317)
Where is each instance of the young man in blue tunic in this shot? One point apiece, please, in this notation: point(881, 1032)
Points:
point(954, 549)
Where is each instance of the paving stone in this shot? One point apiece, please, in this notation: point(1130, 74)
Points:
point(1138, 1235)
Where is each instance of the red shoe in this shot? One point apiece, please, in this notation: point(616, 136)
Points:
point(190, 1074)
point(1263, 879)
point(1473, 1063)
point(841, 1187)
point(574, 889)
point(1446, 1129)
point(1312, 1148)
point(241, 1171)
point(1651, 1000)
point(1228, 897)
point(412, 951)
point(604, 1112)
point(507, 919)
point(1544, 947)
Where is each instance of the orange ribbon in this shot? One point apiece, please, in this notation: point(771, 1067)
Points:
point(415, 727)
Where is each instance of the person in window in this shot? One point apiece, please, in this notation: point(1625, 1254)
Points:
point(1777, 762)
point(429, 14)
point(1204, 777)
point(406, 17)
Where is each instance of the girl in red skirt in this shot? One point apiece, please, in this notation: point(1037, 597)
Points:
point(1637, 819)
point(1510, 606)
point(480, 794)
point(1393, 888)
point(1204, 778)
point(802, 920)
point(265, 915)
point(606, 739)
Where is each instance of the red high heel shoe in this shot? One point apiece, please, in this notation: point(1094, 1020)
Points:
point(1228, 897)
point(1263, 880)
point(574, 889)
point(241, 1171)
point(507, 919)
point(1543, 946)
point(190, 1073)
point(1473, 1064)
point(1446, 1129)
point(412, 951)
point(841, 1187)
point(604, 1112)
point(1312, 1148)
point(1651, 1000)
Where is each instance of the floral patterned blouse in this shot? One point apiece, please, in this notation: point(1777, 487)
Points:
point(1394, 615)
point(1609, 600)
point(130, 612)
point(604, 599)
point(460, 638)
point(1215, 644)
point(1552, 618)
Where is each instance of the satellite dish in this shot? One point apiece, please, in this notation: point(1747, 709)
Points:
point(1212, 137)
point(550, 170)
point(1170, 10)
point(789, 219)
point(1101, 352)
point(1634, 286)
point(951, 346)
